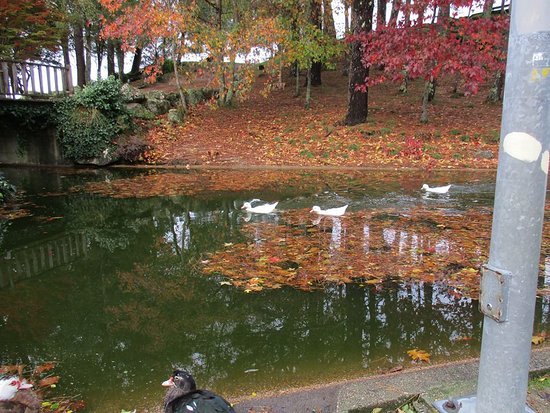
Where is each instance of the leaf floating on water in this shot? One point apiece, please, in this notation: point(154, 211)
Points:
point(44, 367)
point(48, 381)
point(8, 369)
point(419, 355)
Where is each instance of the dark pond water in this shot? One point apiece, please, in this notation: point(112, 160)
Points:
point(109, 284)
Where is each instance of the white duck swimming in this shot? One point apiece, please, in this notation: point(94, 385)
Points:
point(10, 386)
point(259, 209)
point(331, 212)
point(437, 189)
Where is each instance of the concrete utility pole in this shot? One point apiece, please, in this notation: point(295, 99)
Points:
point(509, 280)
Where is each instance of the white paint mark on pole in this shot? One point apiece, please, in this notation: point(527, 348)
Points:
point(522, 146)
point(544, 162)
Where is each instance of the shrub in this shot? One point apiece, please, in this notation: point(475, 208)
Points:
point(90, 119)
point(7, 190)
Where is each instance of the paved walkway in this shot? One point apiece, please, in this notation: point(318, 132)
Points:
point(433, 383)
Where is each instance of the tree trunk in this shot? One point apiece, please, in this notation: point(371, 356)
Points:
point(88, 54)
point(394, 13)
point(79, 54)
point(297, 91)
point(496, 92)
point(316, 67)
point(308, 89)
point(120, 62)
point(315, 77)
point(110, 58)
point(487, 8)
point(381, 14)
point(425, 99)
point(328, 20)
point(178, 84)
point(431, 92)
point(136, 62)
point(100, 50)
point(346, 16)
point(362, 13)
point(67, 60)
point(407, 13)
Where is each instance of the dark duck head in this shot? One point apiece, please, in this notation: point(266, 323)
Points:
point(183, 396)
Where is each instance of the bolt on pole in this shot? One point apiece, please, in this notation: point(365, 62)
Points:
point(509, 280)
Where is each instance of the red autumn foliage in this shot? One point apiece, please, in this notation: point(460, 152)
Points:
point(471, 48)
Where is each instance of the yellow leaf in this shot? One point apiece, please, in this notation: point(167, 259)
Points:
point(419, 355)
point(536, 340)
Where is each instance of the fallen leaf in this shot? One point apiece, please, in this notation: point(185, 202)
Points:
point(419, 355)
point(536, 340)
point(48, 381)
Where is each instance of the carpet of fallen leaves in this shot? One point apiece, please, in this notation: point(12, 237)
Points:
point(278, 130)
point(367, 248)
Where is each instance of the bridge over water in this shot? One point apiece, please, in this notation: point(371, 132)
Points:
point(33, 80)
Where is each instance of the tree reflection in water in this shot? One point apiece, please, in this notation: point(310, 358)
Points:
point(137, 302)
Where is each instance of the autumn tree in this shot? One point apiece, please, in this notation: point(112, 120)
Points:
point(306, 42)
point(146, 22)
point(233, 34)
point(427, 47)
point(28, 29)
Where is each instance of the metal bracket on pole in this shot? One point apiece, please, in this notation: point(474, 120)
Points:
point(495, 286)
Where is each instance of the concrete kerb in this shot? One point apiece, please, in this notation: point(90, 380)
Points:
point(432, 383)
point(437, 382)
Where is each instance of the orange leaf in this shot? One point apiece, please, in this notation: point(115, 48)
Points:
point(48, 381)
point(44, 367)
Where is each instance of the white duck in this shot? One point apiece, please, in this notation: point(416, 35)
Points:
point(331, 212)
point(10, 386)
point(437, 189)
point(259, 209)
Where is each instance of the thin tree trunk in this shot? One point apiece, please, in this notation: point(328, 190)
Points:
point(67, 60)
point(88, 54)
point(381, 14)
point(425, 99)
point(297, 90)
point(178, 84)
point(328, 20)
point(120, 62)
point(100, 50)
point(346, 16)
point(407, 13)
point(487, 8)
point(394, 13)
point(308, 88)
point(110, 58)
point(79, 54)
point(362, 13)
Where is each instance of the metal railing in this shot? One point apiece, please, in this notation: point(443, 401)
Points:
point(20, 79)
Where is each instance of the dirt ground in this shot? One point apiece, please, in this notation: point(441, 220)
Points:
point(462, 132)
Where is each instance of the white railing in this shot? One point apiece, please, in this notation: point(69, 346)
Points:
point(20, 79)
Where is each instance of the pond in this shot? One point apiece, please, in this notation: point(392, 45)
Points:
point(119, 275)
